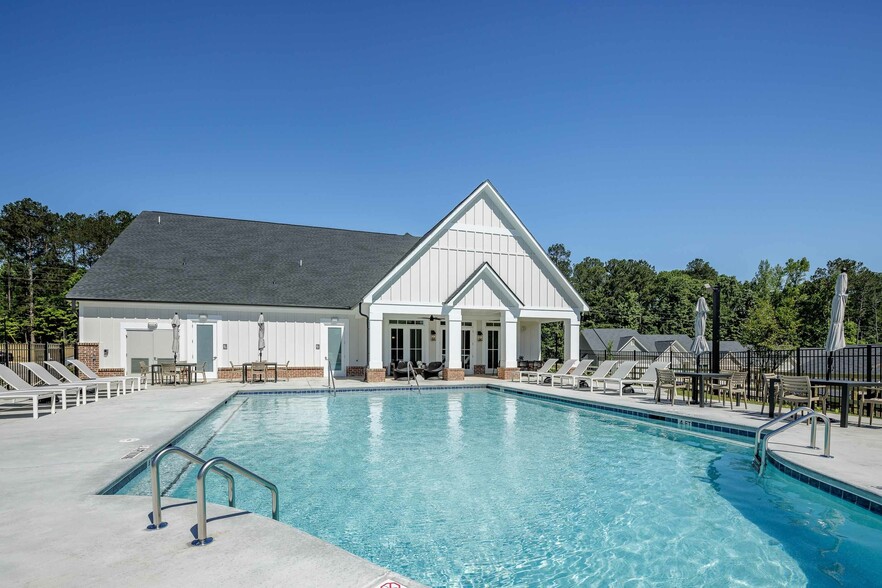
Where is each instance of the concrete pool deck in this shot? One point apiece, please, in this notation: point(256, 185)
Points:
point(57, 530)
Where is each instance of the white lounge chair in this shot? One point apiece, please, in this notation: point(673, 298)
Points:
point(50, 380)
point(70, 377)
point(21, 389)
point(622, 372)
point(90, 375)
point(564, 369)
point(542, 371)
point(602, 371)
point(649, 377)
point(579, 370)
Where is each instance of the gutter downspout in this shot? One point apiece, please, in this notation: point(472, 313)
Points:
point(367, 362)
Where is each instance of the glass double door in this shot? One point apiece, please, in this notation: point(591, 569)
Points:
point(406, 344)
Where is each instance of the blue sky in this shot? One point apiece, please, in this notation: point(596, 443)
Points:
point(662, 131)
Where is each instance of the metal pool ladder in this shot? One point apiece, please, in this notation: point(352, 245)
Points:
point(332, 381)
point(410, 371)
point(212, 464)
point(801, 414)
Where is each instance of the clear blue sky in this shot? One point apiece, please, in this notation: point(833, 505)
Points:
point(656, 130)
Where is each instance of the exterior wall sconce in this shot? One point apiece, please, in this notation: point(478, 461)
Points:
point(480, 336)
point(151, 325)
point(434, 335)
point(203, 318)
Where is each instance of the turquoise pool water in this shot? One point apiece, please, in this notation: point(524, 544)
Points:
point(483, 488)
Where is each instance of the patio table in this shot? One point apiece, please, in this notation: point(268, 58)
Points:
point(698, 379)
point(269, 364)
point(845, 386)
point(155, 369)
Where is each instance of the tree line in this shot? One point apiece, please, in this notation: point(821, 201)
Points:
point(782, 306)
point(43, 254)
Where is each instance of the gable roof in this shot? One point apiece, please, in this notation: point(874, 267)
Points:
point(486, 273)
point(485, 189)
point(598, 339)
point(166, 257)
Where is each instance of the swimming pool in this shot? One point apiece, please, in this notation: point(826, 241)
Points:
point(476, 487)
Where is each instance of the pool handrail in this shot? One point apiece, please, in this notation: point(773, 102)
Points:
point(410, 371)
point(154, 482)
point(202, 537)
point(761, 443)
point(332, 380)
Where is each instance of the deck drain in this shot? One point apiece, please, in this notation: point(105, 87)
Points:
point(136, 451)
point(129, 440)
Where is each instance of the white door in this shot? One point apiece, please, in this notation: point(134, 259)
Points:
point(468, 342)
point(335, 349)
point(148, 346)
point(205, 349)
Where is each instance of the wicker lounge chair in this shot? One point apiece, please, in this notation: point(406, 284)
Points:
point(433, 370)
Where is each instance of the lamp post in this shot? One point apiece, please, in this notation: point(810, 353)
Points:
point(715, 345)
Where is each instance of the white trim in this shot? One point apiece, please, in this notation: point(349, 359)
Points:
point(538, 254)
point(487, 273)
point(502, 231)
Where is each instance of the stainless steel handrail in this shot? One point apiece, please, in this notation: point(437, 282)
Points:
point(332, 380)
point(154, 482)
point(202, 537)
point(410, 371)
point(761, 443)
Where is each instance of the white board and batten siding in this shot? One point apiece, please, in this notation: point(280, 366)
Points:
point(476, 235)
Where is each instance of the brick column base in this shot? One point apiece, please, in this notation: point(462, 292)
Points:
point(88, 353)
point(480, 370)
point(376, 375)
point(355, 371)
point(453, 374)
point(507, 373)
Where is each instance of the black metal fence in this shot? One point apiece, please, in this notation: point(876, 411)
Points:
point(856, 363)
point(12, 354)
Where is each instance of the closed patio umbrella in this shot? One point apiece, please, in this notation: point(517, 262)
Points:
point(261, 339)
point(699, 344)
point(836, 334)
point(176, 336)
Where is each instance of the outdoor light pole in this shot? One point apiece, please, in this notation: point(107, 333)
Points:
point(715, 345)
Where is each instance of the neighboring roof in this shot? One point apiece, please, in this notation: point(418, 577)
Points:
point(598, 339)
point(731, 347)
point(166, 257)
point(661, 343)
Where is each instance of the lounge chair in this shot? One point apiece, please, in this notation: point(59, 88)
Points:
point(563, 369)
point(622, 372)
point(542, 371)
point(48, 379)
point(433, 370)
point(87, 372)
point(602, 371)
point(579, 370)
point(70, 378)
point(648, 379)
point(401, 370)
point(34, 393)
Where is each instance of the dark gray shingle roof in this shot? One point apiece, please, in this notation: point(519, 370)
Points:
point(165, 257)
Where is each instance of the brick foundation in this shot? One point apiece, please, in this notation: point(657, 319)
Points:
point(111, 372)
point(376, 375)
point(506, 373)
point(453, 374)
point(228, 373)
point(89, 353)
point(480, 370)
point(355, 371)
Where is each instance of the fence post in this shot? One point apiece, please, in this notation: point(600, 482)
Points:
point(635, 355)
point(63, 354)
point(45, 350)
point(749, 373)
point(76, 350)
point(6, 351)
point(869, 363)
point(798, 362)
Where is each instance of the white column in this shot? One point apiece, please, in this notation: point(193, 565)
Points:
point(571, 339)
point(375, 341)
point(509, 333)
point(454, 339)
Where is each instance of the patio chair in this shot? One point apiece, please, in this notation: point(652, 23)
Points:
point(733, 387)
point(798, 391)
point(541, 372)
point(602, 371)
point(21, 389)
point(285, 372)
point(648, 379)
point(869, 397)
point(200, 369)
point(433, 370)
point(235, 372)
point(400, 370)
point(622, 372)
point(258, 368)
point(665, 380)
point(70, 378)
point(48, 379)
point(579, 370)
point(764, 393)
point(169, 373)
point(88, 374)
point(144, 368)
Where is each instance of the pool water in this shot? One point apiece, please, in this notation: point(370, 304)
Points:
point(483, 488)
